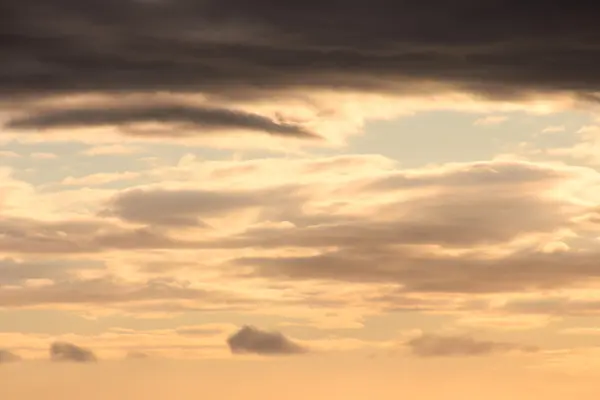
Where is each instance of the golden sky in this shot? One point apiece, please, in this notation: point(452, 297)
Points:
point(202, 200)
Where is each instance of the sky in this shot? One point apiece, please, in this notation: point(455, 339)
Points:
point(317, 199)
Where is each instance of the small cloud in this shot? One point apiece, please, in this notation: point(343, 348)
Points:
point(581, 331)
point(7, 356)
point(490, 120)
point(43, 156)
point(8, 154)
point(99, 178)
point(110, 150)
point(429, 345)
point(589, 129)
point(200, 330)
point(137, 355)
point(63, 351)
point(251, 340)
point(553, 129)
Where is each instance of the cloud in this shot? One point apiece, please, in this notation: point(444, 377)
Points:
point(9, 154)
point(7, 356)
point(247, 65)
point(554, 129)
point(208, 330)
point(501, 49)
point(555, 305)
point(421, 272)
point(429, 345)
point(156, 294)
point(183, 120)
point(481, 227)
point(14, 272)
point(63, 351)
point(137, 355)
point(43, 156)
point(187, 207)
point(72, 236)
point(490, 120)
point(111, 150)
point(251, 340)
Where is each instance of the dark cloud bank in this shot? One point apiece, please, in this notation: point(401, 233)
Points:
point(222, 46)
point(235, 49)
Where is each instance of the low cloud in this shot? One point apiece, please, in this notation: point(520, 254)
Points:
point(430, 345)
point(251, 340)
point(137, 355)
point(68, 352)
point(7, 356)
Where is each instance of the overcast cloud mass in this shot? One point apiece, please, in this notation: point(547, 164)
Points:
point(299, 199)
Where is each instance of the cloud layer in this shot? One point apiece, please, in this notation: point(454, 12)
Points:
point(500, 48)
point(181, 70)
point(429, 345)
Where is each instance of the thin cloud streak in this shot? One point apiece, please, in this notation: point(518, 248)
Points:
point(179, 120)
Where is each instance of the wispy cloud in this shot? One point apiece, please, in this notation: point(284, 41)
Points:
point(490, 120)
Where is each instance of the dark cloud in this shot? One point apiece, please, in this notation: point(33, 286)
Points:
point(63, 351)
point(429, 345)
point(183, 117)
point(251, 340)
point(7, 356)
point(497, 48)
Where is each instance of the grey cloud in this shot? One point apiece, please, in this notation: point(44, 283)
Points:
point(496, 175)
point(429, 345)
point(453, 221)
point(150, 295)
point(68, 352)
point(187, 207)
point(14, 272)
point(183, 119)
point(422, 272)
point(7, 356)
point(554, 305)
point(461, 208)
point(458, 210)
point(500, 48)
point(251, 340)
point(25, 235)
